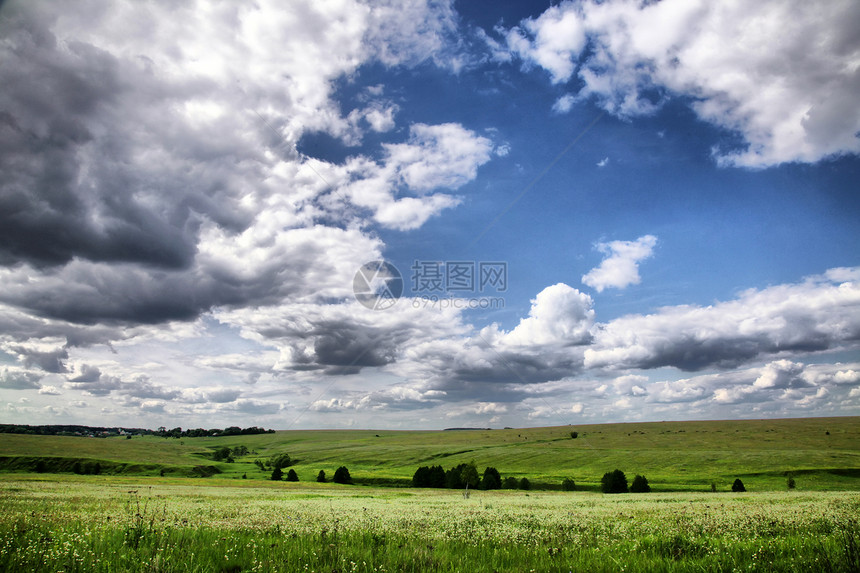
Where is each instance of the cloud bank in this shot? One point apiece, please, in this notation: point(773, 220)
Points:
point(782, 74)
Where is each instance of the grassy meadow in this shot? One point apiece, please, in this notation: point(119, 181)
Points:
point(131, 518)
point(100, 524)
point(822, 453)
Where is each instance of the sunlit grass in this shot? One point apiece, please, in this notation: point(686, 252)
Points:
point(155, 525)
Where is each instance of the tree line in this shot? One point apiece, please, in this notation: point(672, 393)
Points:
point(104, 432)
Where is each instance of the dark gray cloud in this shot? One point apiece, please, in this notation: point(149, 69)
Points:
point(49, 361)
point(87, 374)
point(67, 192)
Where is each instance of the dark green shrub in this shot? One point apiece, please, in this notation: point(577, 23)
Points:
point(738, 485)
point(292, 476)
point(511, 482)
point(341, 475)
point(321, 477)
point(614, 482)
point(568, 485)
point(280, 461)
point(491, 479)
point(640, 485)
point(277, 474)
point(525, 483)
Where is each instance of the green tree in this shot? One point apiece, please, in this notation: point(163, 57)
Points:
point(292, 475)
point(511, 482)
point(738, 485)
point(223, 454)
point(321, 477)
point(640, 485)
point(614, 482)
point(421, 477)
point(469, 476)
point(568, 485)
point(525, 483)
point(453, 477)
point(341, 475)
point(436, 477)
point(277, 474)
point(280, 461)
point(790, 482)
point(574, 435)
point(491, 479)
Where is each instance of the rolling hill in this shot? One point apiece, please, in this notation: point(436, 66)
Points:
point(821, 453)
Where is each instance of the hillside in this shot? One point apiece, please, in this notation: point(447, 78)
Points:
point(822, 453)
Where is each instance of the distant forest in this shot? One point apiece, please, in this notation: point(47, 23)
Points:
point(99, 432)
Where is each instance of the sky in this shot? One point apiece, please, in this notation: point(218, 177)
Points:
point(422, 214)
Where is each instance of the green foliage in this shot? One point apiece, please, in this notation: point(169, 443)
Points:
point(280, 461)
point(738, 485)
point(568, 484)
point(277, 474)
point(574, 435)
point(469, 476)
point(525, 483)
point(429, 477)
point(292, 475)
point(614, 482)
point(491, 479)
point(341, 475)
point(321, 477)
point(790, 483)
point(510, 482)
point(640, 485)
point(223, 454)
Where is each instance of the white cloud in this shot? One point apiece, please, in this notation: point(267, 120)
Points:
point(553, 41)
point(380, 118)
point(559, 315)
point(815, 314)
point(564, 104)
point(620, 268)
point(603, 162)
point(19, 379)
point(781, 73)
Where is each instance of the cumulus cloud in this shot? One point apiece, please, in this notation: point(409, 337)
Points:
point(18, 379)
point(124, 206)
point(620, 268)
point(559, 315)
point(814, 315)
point(445, 156)
point(781, 74)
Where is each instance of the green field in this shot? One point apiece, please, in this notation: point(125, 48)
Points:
point(821, 453)
point(107, 523)
point(130, 517)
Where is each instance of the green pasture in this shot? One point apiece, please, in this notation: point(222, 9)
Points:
point(821, 453)
point(134, 523)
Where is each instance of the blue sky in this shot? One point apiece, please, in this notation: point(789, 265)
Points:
point(670, 188)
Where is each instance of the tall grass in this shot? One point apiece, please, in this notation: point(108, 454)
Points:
point(70, 527)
